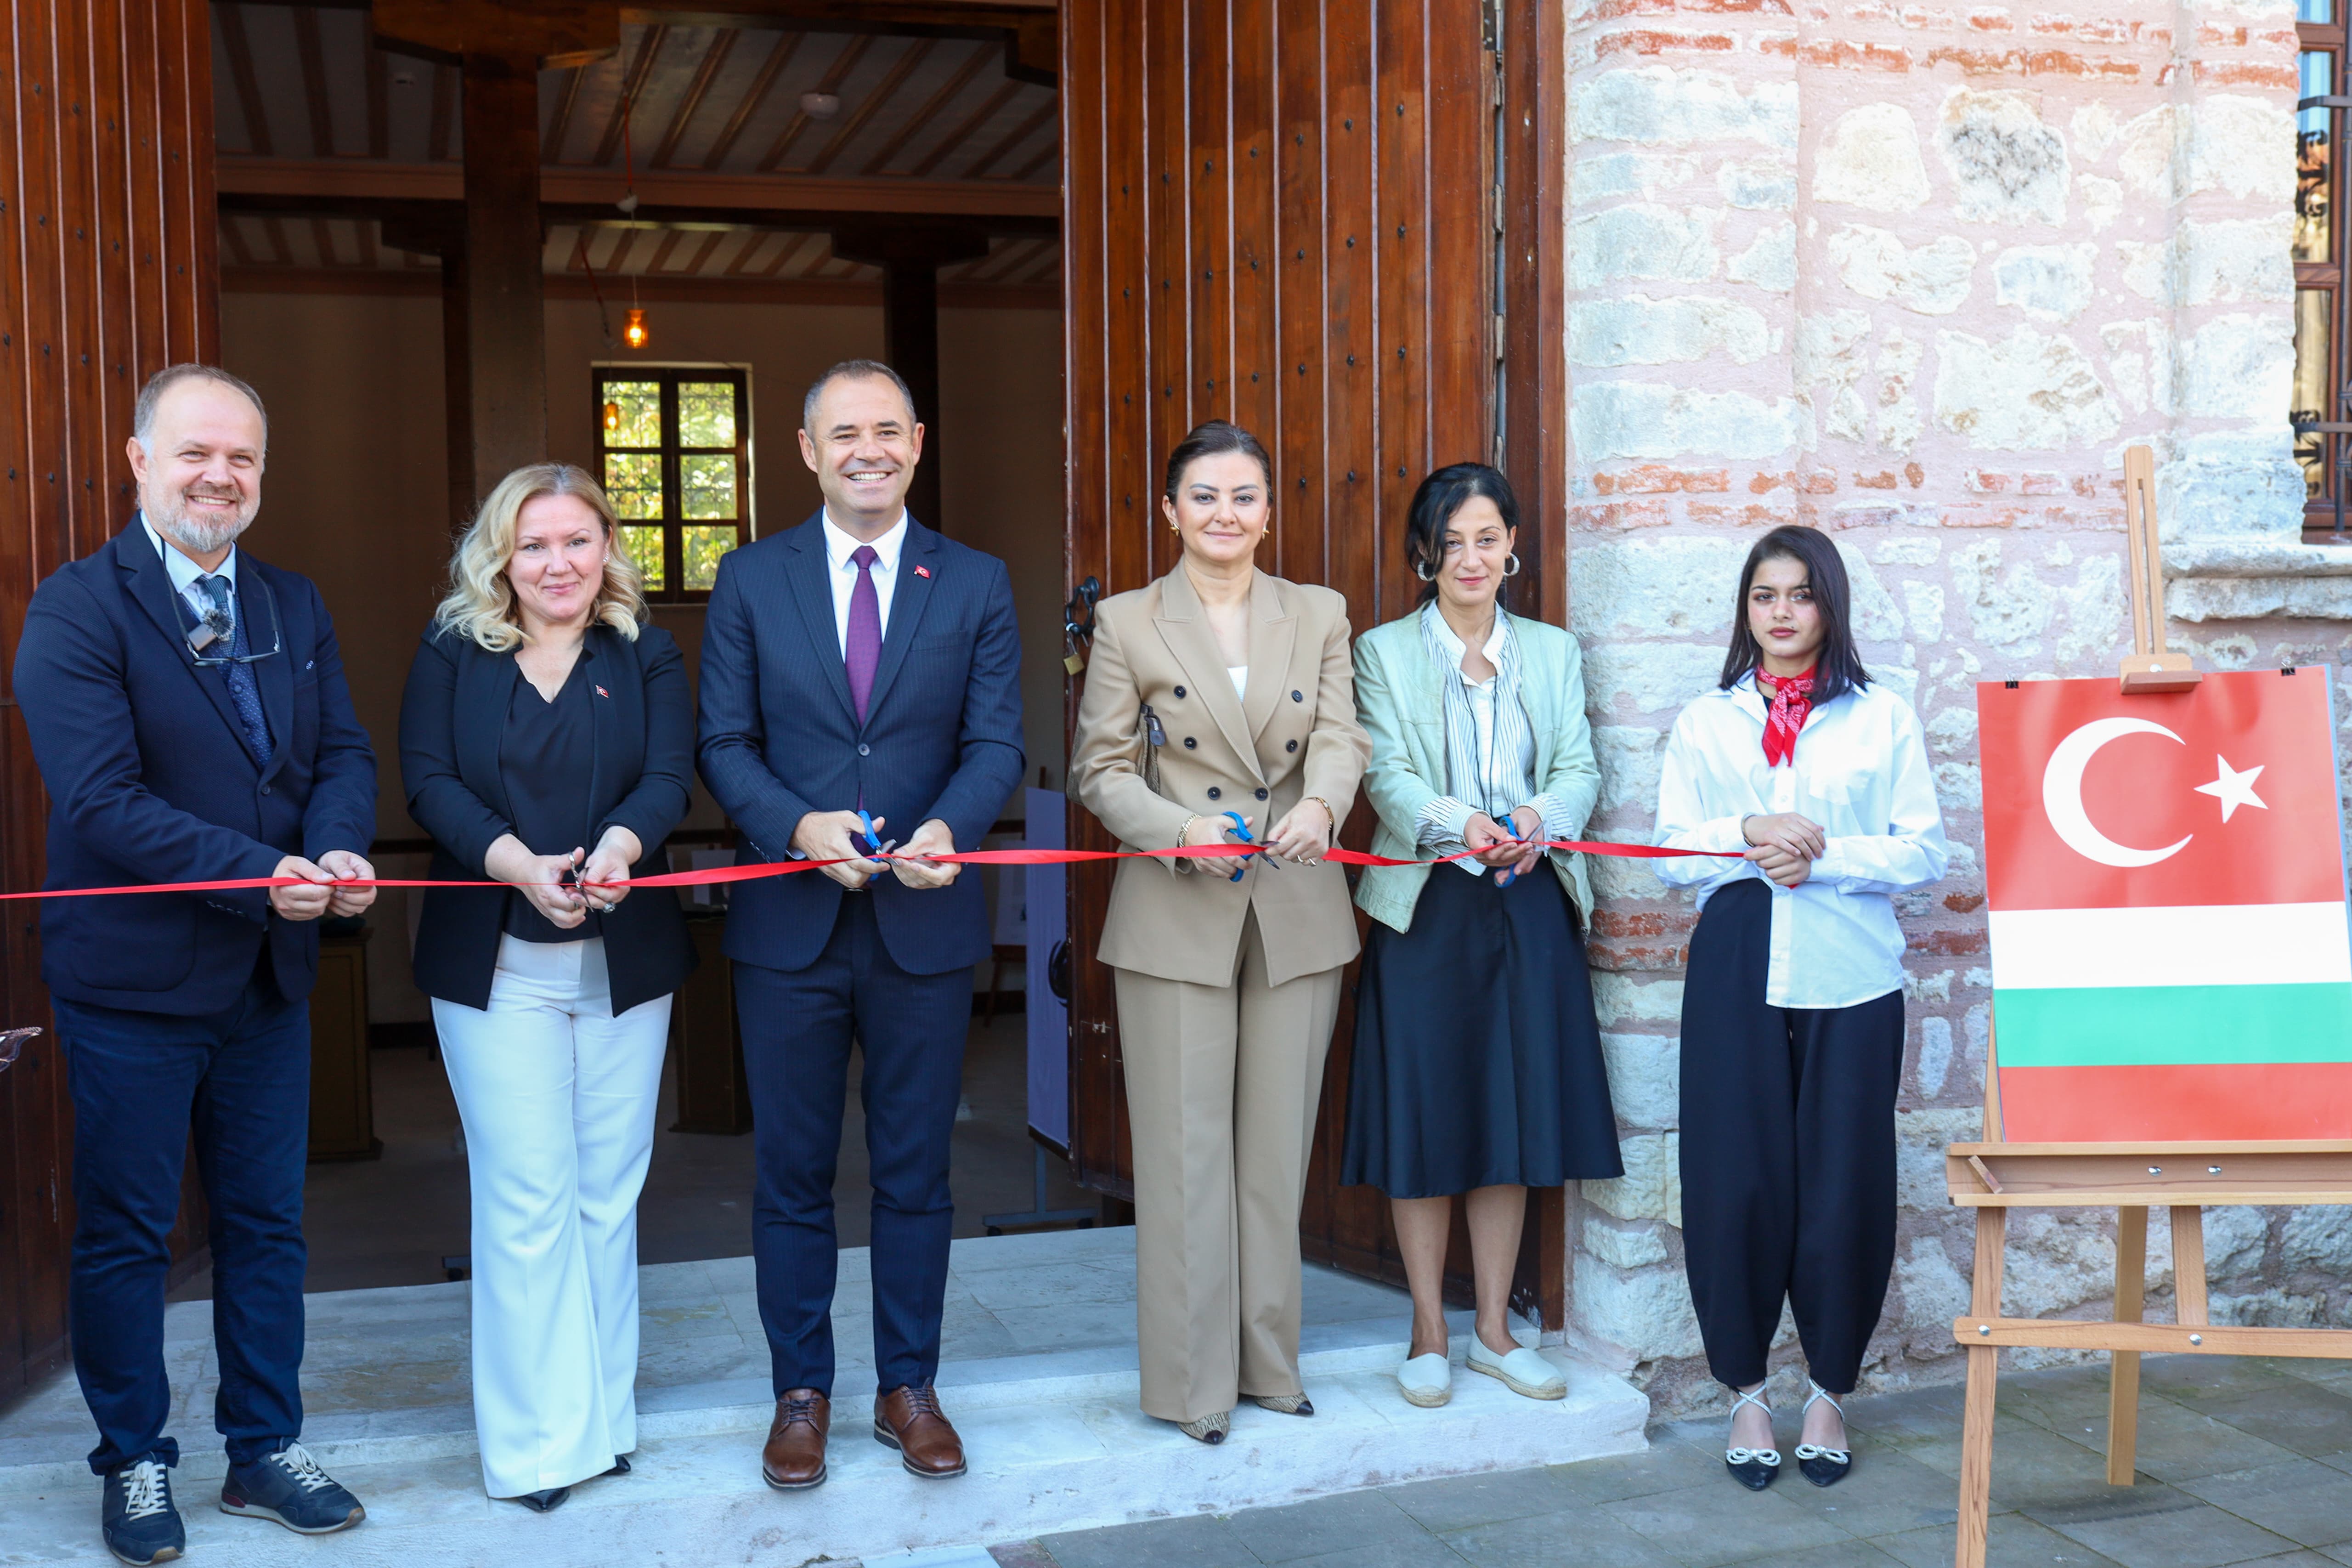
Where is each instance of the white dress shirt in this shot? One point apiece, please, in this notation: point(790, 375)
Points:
point(1503, 759)
point(185, 572)
point(843, 572)
point(1861, 772)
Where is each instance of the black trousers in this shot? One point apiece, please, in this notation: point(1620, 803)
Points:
point(1788, 1154)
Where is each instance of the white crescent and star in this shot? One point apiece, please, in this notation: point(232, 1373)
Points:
point(2061, 793)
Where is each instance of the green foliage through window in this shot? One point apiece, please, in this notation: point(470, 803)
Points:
point(674, 452)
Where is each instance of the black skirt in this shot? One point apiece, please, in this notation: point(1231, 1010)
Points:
point(1477, 1062)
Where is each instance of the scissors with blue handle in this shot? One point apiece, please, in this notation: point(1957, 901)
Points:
point(873, 839)
point(1510, 873)
point(1240, 828)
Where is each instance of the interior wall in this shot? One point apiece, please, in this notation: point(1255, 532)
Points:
point(353, 495)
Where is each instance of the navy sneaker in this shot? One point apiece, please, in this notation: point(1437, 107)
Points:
point(139, 1522)
point(289, 1487)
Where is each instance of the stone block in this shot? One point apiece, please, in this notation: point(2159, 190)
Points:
point(1758, 185)
point(1652, 1186)
point(1623, 1246)
point(1924, 602)
point(2139, 362)
point(1653, 678)
point(1769, 261)
point(1643, 240)
point(1646, 1075)
point(1871, 158)
point(2230, 486)
point(1654, 587)
point(2152, 147)
point(1932, 280)
point(2236, 1236)
point(1920, 1137)
point(2030, 392)
point(1935, 1056)
point(1934, 1292)
point(2103, 201)
point(2317, 1237)
point(1620, 998)
point(1638, 330)
point(1661, 105)
point(2221, 260)
point(1645, 1311)
point(1873, 614)
point(1610, 175)
point(2241, 145)
point(1628, 756)
point(2007, 607)
point(1649, 420)
point(2048, 282)
point(2237, 366)
point(2008, 166)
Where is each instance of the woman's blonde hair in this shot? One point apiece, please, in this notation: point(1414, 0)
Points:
point(480, 604)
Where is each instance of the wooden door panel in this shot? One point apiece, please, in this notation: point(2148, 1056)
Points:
point(108, 272)
point(1279, 211)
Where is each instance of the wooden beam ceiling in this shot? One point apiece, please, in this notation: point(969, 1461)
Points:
point(722, 44)
point(780, 55)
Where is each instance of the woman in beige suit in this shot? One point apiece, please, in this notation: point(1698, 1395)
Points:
point(1219, 708)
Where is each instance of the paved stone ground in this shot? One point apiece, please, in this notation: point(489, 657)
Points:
point(2240, 1460)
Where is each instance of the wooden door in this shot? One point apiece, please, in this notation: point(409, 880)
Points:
point(1283, 213)
point(107, 273)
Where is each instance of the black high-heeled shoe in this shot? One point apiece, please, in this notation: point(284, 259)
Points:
point(546, 1501)
point(620, 1465)
point(1824, 1466)
point(1754, 1468)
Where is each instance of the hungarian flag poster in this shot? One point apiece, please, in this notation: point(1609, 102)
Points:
point(2165, 886)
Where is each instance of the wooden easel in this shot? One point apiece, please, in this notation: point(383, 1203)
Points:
point(1995, 1176)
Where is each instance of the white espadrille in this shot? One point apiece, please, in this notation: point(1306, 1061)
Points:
point(1522, 1372)
point(1427, 1380)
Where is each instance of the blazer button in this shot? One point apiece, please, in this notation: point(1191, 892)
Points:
point(265, 789)
point(1291, 747)
point(1295, 697)
point(1215, 793)
point(864, 750)
point(1190, 744)
point(1260, 794)
point(1179, 691)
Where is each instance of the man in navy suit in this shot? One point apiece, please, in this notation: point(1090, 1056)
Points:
point(857, 667)
point(187, 709)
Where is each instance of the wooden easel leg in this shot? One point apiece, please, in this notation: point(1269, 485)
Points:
point(2189, 1265)
point(1984, 1368)
point(2123, 1378)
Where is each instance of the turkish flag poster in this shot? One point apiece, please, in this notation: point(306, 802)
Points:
point(2165, 877)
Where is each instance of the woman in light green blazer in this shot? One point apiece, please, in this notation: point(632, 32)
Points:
point(1478, 1068)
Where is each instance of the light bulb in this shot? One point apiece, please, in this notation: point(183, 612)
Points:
point(612, 416)
point(634, 333)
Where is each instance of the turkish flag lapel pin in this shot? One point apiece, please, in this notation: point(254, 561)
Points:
point(923, 571)
point(602, 692)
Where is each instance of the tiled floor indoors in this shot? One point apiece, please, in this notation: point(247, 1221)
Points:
point(2241, 1461)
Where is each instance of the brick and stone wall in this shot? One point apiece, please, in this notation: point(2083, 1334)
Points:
point(1916, 275)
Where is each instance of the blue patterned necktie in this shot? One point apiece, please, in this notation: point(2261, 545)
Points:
point(242, 689)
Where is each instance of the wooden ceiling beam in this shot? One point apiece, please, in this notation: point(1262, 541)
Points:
point(350, 185)
point(661, 252)
point(561, 124)
point(233, 231)
point(1014, 138)
point(714, 57)
point(695, 263)
point(444, 117)
point(379, 106)
point(930, 108)
point(239, 50)
point(1051, 151)
point(1029, 30)
point(548, 34)
point(322, 240)
point(963, 132)
point(649, 45)
point(779, 57)
point(909, 59)
point(314, 65)
point(785, 253)
point(835, 74)
point(370, 257)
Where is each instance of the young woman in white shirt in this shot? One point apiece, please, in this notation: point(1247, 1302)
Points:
point(1813, 782)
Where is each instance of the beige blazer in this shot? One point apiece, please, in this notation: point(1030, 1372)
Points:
point(1294, 735)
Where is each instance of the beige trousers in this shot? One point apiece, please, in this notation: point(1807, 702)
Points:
point(1222, 1083)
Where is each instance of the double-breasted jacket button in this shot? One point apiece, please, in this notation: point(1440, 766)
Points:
point(1190, 744)
point(1179, 691)
point(864, 750)
point(1216, 793)
point(1297, 697)
point(1291, 746)
point(1260, 794)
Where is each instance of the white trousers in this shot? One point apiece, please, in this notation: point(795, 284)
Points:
point(557, 1099)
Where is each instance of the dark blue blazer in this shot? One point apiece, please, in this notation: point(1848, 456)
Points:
point(453, 717)
point(150, 780)
point(779, 737)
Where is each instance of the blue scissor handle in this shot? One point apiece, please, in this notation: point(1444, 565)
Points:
point(873, 839)
point(1510, 873)
point(1241, 826)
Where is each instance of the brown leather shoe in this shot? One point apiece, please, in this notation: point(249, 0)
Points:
point(795, 1455)
point(909, 1420)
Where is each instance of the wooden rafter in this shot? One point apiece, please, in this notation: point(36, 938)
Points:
point(650, 44)
point(661, 252)
point(279, 251)
point(788, 257)
point(551, 143)
point(741, 266)
point(371, 256)
point(233, 231)
point(314, 81)
point(722, 43)
point(1048, 270)
point(323, 239)
point(444, 114)
point(779, 57)
point(693, 265)
point(379, 105)
point(1014, 138)
point(930, 108)
point(1046, 154)
point(835, 74)
point(240, 75)
point(963, 132)
point(578, 260)
point(909, 59)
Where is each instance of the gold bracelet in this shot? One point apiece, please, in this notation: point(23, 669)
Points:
point(1328, 814)
point(1184, 833)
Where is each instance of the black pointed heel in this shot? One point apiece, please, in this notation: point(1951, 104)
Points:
point(1754, 1468)
point(1824, 1466)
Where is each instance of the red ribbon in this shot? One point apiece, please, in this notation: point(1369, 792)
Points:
point(719, 874)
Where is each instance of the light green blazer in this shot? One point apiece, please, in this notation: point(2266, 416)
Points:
point(1401, 702)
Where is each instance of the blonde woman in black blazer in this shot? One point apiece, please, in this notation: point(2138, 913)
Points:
point(547, 742)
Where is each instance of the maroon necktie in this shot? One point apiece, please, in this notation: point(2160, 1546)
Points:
point(863, 649)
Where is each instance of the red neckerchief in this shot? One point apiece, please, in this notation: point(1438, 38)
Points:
point(1792, 698)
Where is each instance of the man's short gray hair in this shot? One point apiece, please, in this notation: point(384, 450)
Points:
point(143, 416)
point(853, 369)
